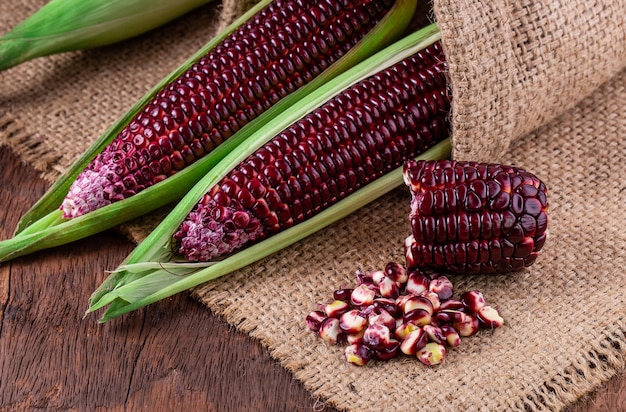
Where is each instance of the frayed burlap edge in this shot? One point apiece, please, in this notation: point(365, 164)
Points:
point(593, 368)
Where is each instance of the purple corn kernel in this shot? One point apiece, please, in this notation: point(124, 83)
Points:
point(377, 337)
point(358, 354)
point(432, 353)
point(314, 320)
point(414, 341)
point(489, 317)
point(352, 322)
point(442, 286)
point(417, 283)
point(362, 295)
point(329, 331)
point(473, 300)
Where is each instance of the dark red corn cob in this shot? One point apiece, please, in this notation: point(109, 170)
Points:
point(474, 217)
point(281, 48)
point(354, 138)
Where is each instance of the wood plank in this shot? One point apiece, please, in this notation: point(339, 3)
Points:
point(174, 354)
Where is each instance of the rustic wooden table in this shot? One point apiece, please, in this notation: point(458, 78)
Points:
point(172, 355)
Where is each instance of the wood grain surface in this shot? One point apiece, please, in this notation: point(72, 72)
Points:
point(173, 355)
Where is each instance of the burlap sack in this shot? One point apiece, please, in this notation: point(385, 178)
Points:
point(540, 85)
point(516, 65)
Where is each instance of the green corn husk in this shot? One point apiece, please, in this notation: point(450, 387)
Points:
point(68, 25)
point(147, 275)
point(43, 225)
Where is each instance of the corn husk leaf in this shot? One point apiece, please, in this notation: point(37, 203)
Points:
point(148, 275)
point(43, 226)
point(68, 25)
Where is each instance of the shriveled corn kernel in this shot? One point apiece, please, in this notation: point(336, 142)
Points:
point(284, 46)
point(354, 138)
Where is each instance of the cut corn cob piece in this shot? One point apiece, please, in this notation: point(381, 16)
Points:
point(471, 217)
point(146, 275)
point(360, 134)
point(43, 226)
point(67, 25)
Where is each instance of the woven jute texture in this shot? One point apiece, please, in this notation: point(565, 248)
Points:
point(540, 85)
point(516, 65)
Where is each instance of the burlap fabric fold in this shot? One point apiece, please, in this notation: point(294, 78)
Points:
point(516, 65)
point(536, 84)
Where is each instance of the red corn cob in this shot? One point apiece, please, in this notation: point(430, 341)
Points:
point(354, 138)
point(281, 48)
point(474, 217)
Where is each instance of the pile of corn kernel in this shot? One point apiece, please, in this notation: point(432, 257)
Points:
point(394, 311)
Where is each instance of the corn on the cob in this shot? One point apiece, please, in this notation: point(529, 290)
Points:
point(362, 133)
point(44, 226)
point(283, 47)
point(67, 25)
point(147, 276)
point(471, 217)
